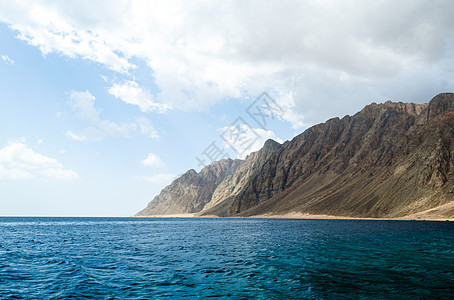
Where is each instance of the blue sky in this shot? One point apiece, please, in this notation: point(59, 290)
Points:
point(109, 176)
point(103, 104)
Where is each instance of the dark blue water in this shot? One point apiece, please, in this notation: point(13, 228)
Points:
point(121, 258)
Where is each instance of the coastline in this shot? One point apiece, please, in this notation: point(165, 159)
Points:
point(296, 215)
point(443, 212)
point(304, 216)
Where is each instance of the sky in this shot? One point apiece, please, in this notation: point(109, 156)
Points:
point(104, 103)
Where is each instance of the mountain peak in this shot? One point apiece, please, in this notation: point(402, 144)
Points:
point(440, 104)
point(271, 144)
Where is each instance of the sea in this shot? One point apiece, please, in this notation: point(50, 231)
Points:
point(176, 258)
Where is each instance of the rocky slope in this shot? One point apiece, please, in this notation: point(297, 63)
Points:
point(226, 194)
point(388, 160)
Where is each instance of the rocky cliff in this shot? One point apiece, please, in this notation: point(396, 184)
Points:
point(388, 160)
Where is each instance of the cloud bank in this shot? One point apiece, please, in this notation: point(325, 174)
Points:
point(319, 58)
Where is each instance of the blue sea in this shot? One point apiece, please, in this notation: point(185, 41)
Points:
point(141, 258)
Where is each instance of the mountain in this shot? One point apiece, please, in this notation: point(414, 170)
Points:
point(388, 160)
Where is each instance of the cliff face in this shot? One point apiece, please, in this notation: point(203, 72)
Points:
point(226, 197)
point(388, 160)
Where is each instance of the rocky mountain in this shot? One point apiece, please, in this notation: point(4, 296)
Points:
point(388, 160)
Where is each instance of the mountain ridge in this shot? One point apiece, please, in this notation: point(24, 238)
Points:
point(387, 160)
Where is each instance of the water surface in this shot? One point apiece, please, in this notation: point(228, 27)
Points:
point(121, 258)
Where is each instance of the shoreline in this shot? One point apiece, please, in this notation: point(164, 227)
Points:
point(304, 216)
point(443, 212)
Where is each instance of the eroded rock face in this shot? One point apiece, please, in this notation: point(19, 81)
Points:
point(387, 160)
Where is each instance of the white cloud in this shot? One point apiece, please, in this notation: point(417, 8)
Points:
point(19, 162)
point(332, 57)
point(287, 103)
point(82, 104)
point(243, 139)
point(75, 136)
point(146, 128)
point(158, 179)
point(101, 131)
point(44, 26)
point(7, 60)
point(152, 160)
point(131, 93)
point(116, 130)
